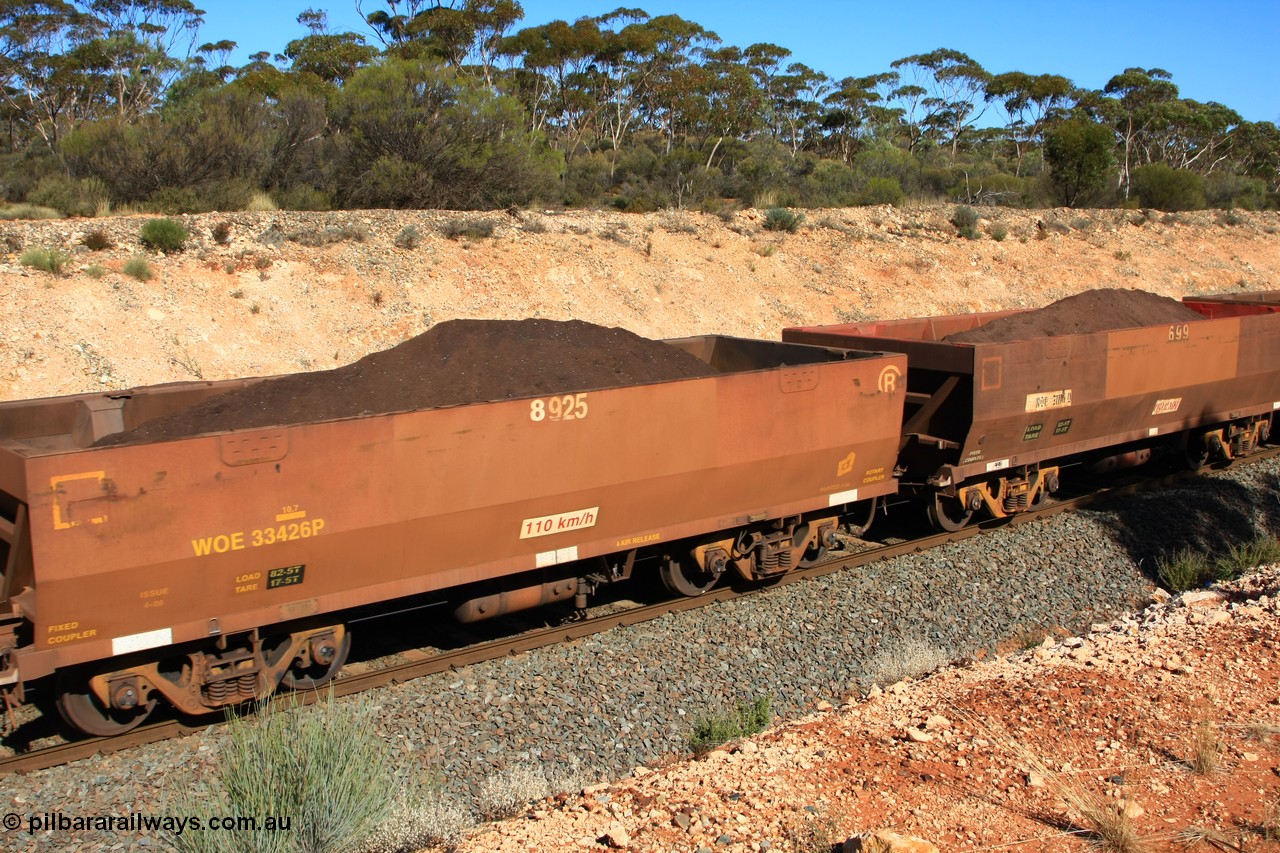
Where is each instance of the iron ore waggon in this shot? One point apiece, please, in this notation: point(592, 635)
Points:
point(988, 426)
point(212, 569)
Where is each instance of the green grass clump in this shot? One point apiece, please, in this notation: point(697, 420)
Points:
point(322, 768)
point(1245, 557)
point(30, 211)
point(998, 232)
point(476, 229)
point(1184, 570)
point(781, 219)
point(713, 730)
point(48, 260)
point(965, 217)
point(164, 235)
point(408, 238)
point(138, 267)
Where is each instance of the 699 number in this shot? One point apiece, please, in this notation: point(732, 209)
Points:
point(570, 407)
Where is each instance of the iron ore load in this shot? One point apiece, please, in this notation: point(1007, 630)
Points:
point(202, 544)
point(197, 543)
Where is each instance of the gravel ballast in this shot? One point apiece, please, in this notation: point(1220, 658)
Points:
point(596, 708)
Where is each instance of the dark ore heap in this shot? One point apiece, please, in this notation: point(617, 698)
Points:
point(453, 363)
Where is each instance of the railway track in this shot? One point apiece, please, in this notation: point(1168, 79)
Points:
point(423, 663)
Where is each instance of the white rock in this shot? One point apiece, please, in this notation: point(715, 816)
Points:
point(617, 836)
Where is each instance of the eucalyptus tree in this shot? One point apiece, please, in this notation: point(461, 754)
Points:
point(1032, 102)
point(328, 56)
point(1134, 104)
point(460, 33)
point(855, 109)
point(67, 61)
point(940, 95)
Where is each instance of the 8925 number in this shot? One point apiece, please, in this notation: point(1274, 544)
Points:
point(570, 407)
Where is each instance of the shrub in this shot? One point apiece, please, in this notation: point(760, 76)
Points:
point(882, 191)
point(534, 226)
point(97, 240)
point(965, 217)
point(910, 658)
point(476, 229)
point(260, 202)
point(998, 232)
point(356, 233)
point(1227, 190)
point(321, 767)
point(178, 200)
point(745, 720)
point(164, 235)
point(1247, 556)
point(1166, 188)
point(781, 219)
point(66, 194)
point(48, 260)
point(95, 271)
point(222, 233)
point(29, 211)
point(303, 198)
point(138, 267)
point(1183, 570)
point(504, 794)
point(408, 238)
point(969, 232)
point(429, 820)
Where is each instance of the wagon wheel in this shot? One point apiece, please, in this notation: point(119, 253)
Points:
point(946, 513)
point(318, 674)
point(683, 576)
point(814, 554)
point(81, 708)
point(1195, 454)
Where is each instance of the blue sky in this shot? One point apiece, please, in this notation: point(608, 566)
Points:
point(1215, 51)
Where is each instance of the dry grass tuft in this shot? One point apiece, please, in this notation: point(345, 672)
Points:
point(1109, 824)
point(1206, 748)
point(1196, 836)
point(1260, 731)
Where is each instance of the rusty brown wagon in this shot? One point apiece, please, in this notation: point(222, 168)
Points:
point(1235, 304)
point(209, 570)
point(987, 425)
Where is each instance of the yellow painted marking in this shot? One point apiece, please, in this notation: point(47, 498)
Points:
point(54, 482)
point(290, 516)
